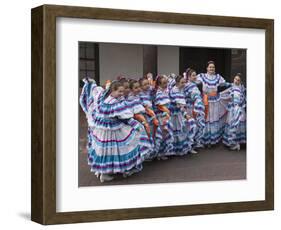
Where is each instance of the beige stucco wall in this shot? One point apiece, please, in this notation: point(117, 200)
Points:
point(116, 59)
point(168, 60)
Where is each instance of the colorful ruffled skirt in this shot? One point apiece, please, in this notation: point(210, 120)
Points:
point(183, 132)
point(235, 127)
point(114, 147)
point(214, 124)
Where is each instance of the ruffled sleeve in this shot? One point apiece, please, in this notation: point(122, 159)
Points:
point(111, 107)
point(86, 97)
point(244, 97)
point(195, 93)
point(83, 99)
point(188, 89)
point(236, 96)
point(221, 79)
point(171, 84)
point(226, 94)
point(161, 98)
point(134, 124)
point(200, 77)
point(146, 99)
point(96, 94)
point(177, 96)
point(135, 104)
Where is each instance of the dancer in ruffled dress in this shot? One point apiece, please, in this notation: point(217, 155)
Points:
point(235, 128)
point(135, 104)
point(215, 112)
point(115, 146)
point(183, 124)
point(195, 105)
point(161, 103)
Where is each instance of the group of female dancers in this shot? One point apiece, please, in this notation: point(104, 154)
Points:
point(131, 121)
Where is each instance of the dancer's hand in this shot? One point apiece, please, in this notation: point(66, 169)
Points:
point(155, 122)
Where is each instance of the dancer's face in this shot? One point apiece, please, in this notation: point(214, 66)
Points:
point(145, 85)
point(149, 76)
point(181, 83)
point(192, 77)
point(164, 83)
point(126, 88)
point(136, 88)
point(119, 92)
point(237, 80)
point(211, 69)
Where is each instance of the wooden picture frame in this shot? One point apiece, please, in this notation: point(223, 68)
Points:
point(43, 207)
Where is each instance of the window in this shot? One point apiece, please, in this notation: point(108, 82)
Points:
point(88, 61)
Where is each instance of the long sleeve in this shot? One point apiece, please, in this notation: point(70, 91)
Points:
point(177, 96)
point(111, 108)
point(161, 98)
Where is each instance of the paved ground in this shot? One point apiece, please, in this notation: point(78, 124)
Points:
point(217, 163)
